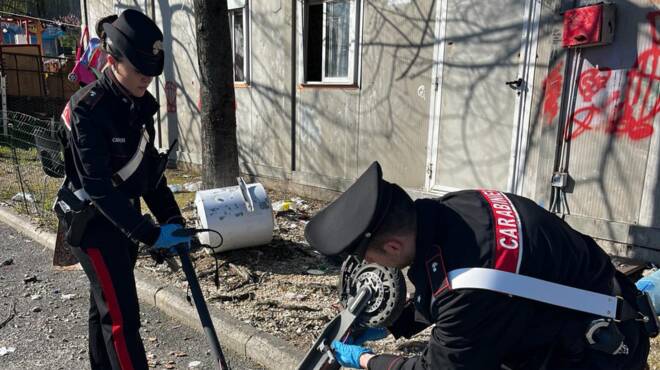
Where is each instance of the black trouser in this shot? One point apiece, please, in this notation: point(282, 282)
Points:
point(108, 258)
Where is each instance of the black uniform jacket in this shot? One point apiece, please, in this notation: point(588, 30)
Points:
point(105, 126)
point(479, 329)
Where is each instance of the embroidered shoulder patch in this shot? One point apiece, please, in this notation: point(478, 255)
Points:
point(66, 116)
point(437, 274)
point(507, 228)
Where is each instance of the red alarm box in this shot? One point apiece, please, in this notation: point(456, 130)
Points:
point(589, 26)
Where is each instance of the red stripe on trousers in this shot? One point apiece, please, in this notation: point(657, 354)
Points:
point(113, 306)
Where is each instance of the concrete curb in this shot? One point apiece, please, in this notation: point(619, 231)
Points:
point(263, 348)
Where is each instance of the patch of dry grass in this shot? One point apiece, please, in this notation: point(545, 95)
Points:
point(654, 355)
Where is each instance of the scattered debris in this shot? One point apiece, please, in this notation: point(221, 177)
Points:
point(286, 306)
point(30, 279)
point(189, 207)
point(23, 197)
point(7, 262)
point(10, 316)
point(194, 364)
point(232, 297)
point(6, 350)
point(295, 296)
point(35, 297)
point(293, 204)
point(36, 309)
point(192, 186)
point(68, 297)
point(243, 272)
point(189, 187)
point(282, 205)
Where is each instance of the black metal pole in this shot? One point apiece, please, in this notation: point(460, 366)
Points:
point(202, 310)
point(85, 16)
point(157, 90)
point(294, 80)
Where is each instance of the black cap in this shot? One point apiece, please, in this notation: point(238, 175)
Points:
point(137, 37)
point(348, 223)
point(107, 19)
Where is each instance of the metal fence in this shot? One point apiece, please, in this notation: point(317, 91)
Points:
point(31, 166)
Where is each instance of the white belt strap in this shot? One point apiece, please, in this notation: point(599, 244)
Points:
point(132, 165)
point(534, 289)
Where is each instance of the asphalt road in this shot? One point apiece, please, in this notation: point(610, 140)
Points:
point(47, 318)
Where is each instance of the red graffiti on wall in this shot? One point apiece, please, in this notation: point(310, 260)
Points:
point(170, 95)
point(641, 102)
point(632, 112)
point(199, 98)
point(552, 87)
point(592, 81)
point(585, 117)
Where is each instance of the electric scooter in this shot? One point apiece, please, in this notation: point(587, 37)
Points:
point(373, 296)
point(193, 283)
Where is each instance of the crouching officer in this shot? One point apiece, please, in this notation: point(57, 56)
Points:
point(110, 163)
point(479, 230)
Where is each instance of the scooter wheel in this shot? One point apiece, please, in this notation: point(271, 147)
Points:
point(389, 294)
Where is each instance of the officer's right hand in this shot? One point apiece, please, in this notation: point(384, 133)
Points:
point(166, 239)
point(348, 355)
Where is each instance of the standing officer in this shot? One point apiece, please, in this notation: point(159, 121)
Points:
point(477, 328)
point(110, 163)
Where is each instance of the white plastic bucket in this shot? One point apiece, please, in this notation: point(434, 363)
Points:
point(242, 214)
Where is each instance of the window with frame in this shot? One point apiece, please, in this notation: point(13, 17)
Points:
point(331, 30)
point(239, 25)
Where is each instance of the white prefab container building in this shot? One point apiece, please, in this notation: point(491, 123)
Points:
point(445, 94)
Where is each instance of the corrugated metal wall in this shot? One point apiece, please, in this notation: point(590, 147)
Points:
point(600, 106)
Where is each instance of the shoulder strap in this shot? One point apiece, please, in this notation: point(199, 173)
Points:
point(132, 165)
point(536, 289)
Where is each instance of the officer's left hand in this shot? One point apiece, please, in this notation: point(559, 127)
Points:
point(348, 355)
point(167, 240)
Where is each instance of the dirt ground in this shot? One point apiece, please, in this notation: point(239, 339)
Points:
point(284, 288)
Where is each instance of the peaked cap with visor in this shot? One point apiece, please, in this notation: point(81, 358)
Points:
point(136, 37)
point(348, 224)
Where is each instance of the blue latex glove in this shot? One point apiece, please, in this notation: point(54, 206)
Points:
point(348, 355)
point(166, 240)
point(651, 285)
point(370, 334)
